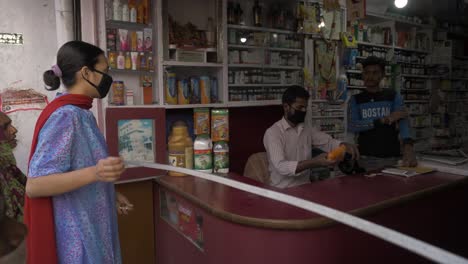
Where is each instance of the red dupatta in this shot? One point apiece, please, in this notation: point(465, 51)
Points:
point(38, 212)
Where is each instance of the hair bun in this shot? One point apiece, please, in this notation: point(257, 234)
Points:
point(51, 80)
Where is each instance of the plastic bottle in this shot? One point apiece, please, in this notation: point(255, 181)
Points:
point(180, 148)
point(134, 57)
point(133, 14)
point(150, 61)
point(128, 61)
point(257, 14)
point(116, 13)
point(143, 61)
point(210, 32)
point(121, 61)
point(171, 88)
point(221, 157)
point(342, 88)
point(203, 158)
point(112, 57)
point(205, 90)
point(140, 13)
point(129, 97)
point(125, 13)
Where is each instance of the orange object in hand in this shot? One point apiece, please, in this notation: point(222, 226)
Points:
point(337, 153)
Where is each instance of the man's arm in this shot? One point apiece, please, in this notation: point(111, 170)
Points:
point(400, 115)
point(276, 157)
point(322, 140)
point(327, 143)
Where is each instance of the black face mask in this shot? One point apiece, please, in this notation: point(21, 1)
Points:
point(104, 85)
point(297, 117)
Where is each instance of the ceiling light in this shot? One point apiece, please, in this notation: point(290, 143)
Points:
point(401, 3)
point(243, 39)
point(322, 23)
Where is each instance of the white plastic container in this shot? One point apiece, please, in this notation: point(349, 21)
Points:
point(116, 10)
point(125, 13)
point(133, 15)
point(221, 157)
point(121, 61)
point(203, 155)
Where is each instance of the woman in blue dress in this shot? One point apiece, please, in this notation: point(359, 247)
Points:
point(70, 163)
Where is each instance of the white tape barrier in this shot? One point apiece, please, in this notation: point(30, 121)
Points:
point(412, 244)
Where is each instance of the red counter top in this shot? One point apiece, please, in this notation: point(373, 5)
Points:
point(355, 194)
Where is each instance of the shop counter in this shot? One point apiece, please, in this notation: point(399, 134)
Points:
point(198, 221)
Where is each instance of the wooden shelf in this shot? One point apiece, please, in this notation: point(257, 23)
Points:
point(327, 117)
point(266, 48)
point(412, 50)
point(284, 49)
point(354, 71)
point(454, 91)
point(361, 57)
point(418, 76)
point(356, 87)
point(412, 63)
point(416, 90)
point(398, 20)
point(333, 131)
point(136, 106)
point(374, 45)
point(188, 106)
point(416, 101)
point(391, 47)
point(126, 25)
point(192, 64)
point(194, 106)
point(262, 29)
point(260, 85)
point(455, 100)
point(130, 71)
point(245, 65)
point(253, 103)
point(313, 35)
point(360, 72)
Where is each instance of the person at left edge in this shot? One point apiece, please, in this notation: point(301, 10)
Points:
point(12, 179)
point(70, 205)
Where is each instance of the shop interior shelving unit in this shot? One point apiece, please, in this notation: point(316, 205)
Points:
point(406, 47)
point(164, 61)
point(256, 70)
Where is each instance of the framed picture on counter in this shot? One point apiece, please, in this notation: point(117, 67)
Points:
point(136, 139)
point(137, 134)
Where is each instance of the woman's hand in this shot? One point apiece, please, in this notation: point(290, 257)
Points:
point(123, 204)
point(109, 169)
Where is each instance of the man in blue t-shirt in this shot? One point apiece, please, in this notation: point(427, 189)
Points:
point(379, 119)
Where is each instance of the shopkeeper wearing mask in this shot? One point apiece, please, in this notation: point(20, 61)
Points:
point(289, 143)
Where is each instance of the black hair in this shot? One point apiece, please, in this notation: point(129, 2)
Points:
point(293, 92)
point(71, 57)
point(372, 60)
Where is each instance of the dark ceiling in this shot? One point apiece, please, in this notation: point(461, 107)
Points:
point(453, 11)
